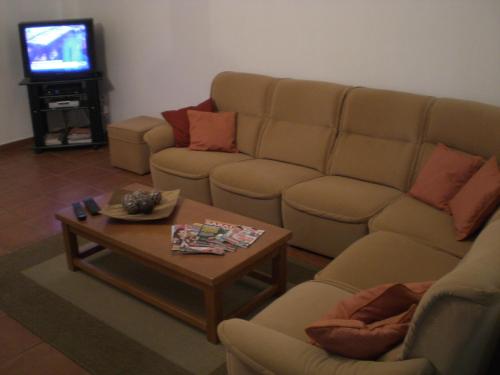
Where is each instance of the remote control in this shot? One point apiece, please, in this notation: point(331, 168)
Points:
point(91, 206)
point(79, 212)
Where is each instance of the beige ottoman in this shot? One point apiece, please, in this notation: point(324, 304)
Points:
point(126, 144)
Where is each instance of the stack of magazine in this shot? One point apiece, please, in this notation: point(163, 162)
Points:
point(79, 135)
point(212, 237)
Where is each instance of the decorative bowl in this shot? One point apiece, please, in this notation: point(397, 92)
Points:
point(115, 210)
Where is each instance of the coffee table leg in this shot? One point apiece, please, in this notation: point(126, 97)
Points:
point(213, 306)
point(279, 276)
point(70, 246)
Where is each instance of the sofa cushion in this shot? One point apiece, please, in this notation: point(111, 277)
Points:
point(248, 95)
point(442, 176)
point(179, 121)
point(340, 198)
point(378, 136)
point(303, 122)
point(192, 164)
point(267, 210)
point(197, 189)
point(477, 200)
point(301, 305)
point(464, 125)
point(387, 257)
point(323, 236)
point(259, 178)
point(369, 323)
point(212, 131)
point(422, 222)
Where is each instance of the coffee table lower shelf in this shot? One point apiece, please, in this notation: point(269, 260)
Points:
point(76, 260)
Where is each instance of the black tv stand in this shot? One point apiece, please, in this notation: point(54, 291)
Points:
point(81, 94)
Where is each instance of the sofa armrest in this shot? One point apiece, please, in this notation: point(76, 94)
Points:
point(267, 351)
point(159, 138)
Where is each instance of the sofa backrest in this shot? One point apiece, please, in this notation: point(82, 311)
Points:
point(303, 122)
point(457, 323)
point(379, 134)
point(467, 126)
point(247, 95)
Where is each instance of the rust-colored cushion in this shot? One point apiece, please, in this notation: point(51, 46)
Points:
point(179, 121)
point(443, 175)
point(212, 131)
point(369, 323)
point(477, 200)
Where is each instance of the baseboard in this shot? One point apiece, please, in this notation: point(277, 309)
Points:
point(15, 144)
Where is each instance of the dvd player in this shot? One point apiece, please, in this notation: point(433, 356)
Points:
point(64, 104)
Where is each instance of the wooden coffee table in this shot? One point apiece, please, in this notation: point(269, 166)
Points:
point(150, 244)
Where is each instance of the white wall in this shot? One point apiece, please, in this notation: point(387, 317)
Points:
point(158, 52)
point(164, 53)
point(15, 120)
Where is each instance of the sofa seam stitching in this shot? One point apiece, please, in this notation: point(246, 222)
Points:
point(417, 151)
point(339, 218)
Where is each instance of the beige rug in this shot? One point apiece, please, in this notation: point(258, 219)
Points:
point(103, 328)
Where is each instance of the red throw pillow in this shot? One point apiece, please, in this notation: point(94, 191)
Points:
point(477, 200)
point(212, 131)
point(180, 122)
point(443, 175)
point(369, 323)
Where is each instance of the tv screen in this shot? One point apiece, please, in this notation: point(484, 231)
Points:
point(57, 48)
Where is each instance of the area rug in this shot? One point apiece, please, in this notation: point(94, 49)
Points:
point(106, 331)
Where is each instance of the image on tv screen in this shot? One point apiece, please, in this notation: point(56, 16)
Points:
point(57, 48)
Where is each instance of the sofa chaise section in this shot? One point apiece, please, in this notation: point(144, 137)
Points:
point(462, 306)
point(254, 349)
point(293, 147)
point(370, 166)
point(271, 344)
point(466, 126)
point(181, 168)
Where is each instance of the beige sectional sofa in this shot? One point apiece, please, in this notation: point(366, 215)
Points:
point(333, 163)
point(324, 160)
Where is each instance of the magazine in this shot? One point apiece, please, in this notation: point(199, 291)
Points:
point(238, 235)
point(53, 139)
point(243, 236)
point(185, 240)
point(212, 237)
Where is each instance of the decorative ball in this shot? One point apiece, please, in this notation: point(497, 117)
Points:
point(129, 203)
point(146, 205)
point(156, 196)
point(141, 202)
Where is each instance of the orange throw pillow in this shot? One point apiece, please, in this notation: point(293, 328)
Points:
point(369, 323)
point(179, 121)
point(443, 175)
point(212, 131)
point(477, 200)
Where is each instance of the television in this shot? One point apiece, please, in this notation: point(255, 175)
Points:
point(55, 50)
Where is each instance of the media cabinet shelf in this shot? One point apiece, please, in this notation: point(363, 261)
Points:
point(63, 109)
point(69, 145)
point(84, 90)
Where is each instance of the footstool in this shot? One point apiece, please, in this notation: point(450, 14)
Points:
point(126, 144)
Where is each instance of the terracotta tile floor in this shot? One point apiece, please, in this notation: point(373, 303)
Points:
point(32, 188)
